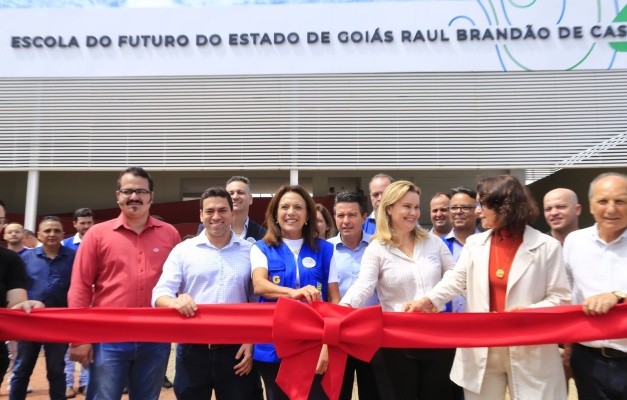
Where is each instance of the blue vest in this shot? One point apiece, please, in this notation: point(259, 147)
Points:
point(313, 269)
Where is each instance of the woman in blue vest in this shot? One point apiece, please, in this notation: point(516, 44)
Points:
point(290, 261)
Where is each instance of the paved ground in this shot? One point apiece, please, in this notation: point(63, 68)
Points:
point(40, 384)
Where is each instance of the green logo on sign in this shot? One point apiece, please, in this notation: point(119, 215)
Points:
point(621, 17)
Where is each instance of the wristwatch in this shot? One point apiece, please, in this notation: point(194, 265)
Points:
point(621, 296)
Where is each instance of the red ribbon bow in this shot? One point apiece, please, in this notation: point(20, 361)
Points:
point(299, 331)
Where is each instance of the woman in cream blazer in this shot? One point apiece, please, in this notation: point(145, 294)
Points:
point(535, 277)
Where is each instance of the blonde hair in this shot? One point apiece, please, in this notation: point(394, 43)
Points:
point(385, 232)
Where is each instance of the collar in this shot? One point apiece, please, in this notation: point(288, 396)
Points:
point(77, 238)
point(120, 222)
point(203, 239)
point(596, 236)
point(337, 240)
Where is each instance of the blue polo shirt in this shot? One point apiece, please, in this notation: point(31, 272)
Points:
point(370, 225)
point(49, 279)
point(348, 262)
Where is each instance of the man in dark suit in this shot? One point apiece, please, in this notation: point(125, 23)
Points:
point(239, 190)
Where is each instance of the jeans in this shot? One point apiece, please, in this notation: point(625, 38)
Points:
point(27, 354)
point(143, 365)
point(70, 368)
point(200, 370)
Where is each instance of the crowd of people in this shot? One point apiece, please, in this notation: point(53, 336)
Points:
point(481, 255)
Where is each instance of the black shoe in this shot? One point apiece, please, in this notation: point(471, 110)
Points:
point(125, 390)
point(166, 383)
point(82, 390)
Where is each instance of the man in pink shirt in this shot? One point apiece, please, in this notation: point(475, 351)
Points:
point(117, 265)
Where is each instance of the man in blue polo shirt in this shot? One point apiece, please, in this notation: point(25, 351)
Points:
point(49, 269)
point(349, 246)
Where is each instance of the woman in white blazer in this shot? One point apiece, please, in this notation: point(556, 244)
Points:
point(509, 267)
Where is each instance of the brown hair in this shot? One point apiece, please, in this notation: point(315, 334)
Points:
point(510, 200)
point(328, 219)
point(273, 235)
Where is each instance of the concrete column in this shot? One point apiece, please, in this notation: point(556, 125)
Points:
point(32, 192)
point(293, 177)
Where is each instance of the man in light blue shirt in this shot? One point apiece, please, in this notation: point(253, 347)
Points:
point(464, 222)
point(212, 268)
point(349, 246)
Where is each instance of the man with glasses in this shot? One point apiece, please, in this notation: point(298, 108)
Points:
point(49, 269)
point(464, 222)
point(440, 217)
point(122, 259)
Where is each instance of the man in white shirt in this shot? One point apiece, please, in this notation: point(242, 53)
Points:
point(440, 214)
point(596, 260)
point(212, 268)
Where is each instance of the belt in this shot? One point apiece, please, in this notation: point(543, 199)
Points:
point(606, 352)
point(210, 346)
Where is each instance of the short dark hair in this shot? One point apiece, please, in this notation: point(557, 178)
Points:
point(3, 205)
point(350, 197)
point(216, 192)
point(136, 171)
point(50, 218)
point(82, 212)
point(28, 232)
point(463, 189)
point(514, 206)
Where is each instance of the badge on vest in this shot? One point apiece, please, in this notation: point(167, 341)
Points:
point(276, 279)
point(309, 262)
point(319, 286)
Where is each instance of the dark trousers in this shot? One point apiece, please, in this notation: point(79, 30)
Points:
point(366, 382)
point(269, 371)
point(598, 377)
point(4, 360)
point(27, 353)
point(200, 370)
point(421, 374)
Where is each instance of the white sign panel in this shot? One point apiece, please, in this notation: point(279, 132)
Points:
point(475, 35)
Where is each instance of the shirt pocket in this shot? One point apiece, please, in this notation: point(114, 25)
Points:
point(276, 272)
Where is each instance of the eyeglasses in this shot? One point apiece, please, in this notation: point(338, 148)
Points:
point(129, 192)
point(479, 204)
point(463, 209)
point(442, 210)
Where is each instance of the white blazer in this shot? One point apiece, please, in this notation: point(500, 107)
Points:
point(537, 279)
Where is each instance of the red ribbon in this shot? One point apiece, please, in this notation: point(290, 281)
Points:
point(300, 337)
point(300, 331)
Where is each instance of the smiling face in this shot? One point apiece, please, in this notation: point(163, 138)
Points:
point(349, 220)
point(292, 215)
point(216, 216)
point(241, 196)
point(440, 214)
point(561, 210)
point(134, 205)
point(608, 206)
point(404, 214)
point(462, 211)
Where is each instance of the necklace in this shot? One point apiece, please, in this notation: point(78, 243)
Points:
point(500, 272)
point(408, 252)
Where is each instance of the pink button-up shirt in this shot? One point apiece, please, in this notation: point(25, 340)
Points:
point(122, 266)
